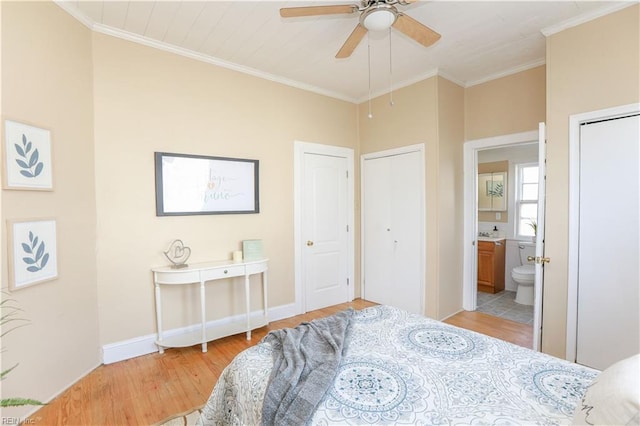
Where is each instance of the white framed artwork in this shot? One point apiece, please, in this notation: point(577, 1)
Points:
point(33, 254)
point(27, 153)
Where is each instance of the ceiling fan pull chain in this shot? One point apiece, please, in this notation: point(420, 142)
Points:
point(390, 72)
point(369, 62)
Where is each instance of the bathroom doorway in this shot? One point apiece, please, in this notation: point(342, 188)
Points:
point(505, 226)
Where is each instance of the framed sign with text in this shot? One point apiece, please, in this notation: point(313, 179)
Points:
point(198, 184)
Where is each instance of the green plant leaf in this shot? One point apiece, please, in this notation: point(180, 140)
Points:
point(7, 371)
point(4, 304)
point(9, 316)
point(8, 312)
point(18, 402)
point(11, 329)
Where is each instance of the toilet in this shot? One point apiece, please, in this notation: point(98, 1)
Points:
point(524, 275)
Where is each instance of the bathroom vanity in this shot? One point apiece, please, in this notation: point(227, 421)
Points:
point(491, 266)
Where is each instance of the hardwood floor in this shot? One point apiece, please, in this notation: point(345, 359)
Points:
point(150, 388)
point(511, 331)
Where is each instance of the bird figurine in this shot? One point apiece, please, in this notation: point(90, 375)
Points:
point(178, 254)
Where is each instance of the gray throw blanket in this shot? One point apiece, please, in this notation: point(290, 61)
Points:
point(306, 360)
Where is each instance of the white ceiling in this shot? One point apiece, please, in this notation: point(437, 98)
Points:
point(481, 40)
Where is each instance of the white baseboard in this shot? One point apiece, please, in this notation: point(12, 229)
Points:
point(143, 345)
point(449, 316)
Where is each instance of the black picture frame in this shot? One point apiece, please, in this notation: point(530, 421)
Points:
point(189, 184)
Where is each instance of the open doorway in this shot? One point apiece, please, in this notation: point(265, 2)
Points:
point(506, 228)
point(501, 233)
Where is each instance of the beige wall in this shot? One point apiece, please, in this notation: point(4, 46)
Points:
point(428, 112)
point(450, 197)
point(590, 67)
point(147, 100)
point(511, 104)
point(47, 82)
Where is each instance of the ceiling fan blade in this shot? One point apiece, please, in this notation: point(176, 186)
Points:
point(414, 29)
point(352, 42)
point(293, 12)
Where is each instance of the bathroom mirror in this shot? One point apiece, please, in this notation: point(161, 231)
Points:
point(492, 191)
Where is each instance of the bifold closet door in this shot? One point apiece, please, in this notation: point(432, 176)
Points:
point(393, 230)
point(608, 326)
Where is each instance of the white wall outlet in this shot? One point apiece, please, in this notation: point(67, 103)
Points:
point(498, 216)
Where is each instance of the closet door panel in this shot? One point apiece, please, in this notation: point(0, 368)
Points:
point(609, 242)
point(393, 230)
point(377, 248)
point(406, 230)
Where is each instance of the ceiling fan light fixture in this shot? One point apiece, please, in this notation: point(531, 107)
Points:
point(379, 18)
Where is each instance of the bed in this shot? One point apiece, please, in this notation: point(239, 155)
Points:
point(402, 368)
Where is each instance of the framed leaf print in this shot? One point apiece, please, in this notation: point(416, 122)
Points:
point(27, 152)
point(33, 254)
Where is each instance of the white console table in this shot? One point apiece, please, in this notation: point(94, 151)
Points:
point(200, 273)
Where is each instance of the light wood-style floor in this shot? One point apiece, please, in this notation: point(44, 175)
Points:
point(150, 388)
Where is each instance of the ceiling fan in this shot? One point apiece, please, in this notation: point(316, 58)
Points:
point(374, 15)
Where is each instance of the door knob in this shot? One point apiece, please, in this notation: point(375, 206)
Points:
point(309, 243)
point(540, 260)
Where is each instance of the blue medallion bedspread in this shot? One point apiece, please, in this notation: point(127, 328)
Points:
point(402, 368)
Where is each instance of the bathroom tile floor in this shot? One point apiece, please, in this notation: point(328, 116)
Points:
point(503, 305)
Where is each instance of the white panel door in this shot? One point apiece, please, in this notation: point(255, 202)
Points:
point(393, 230)
point(325, 220)
point(608, 324)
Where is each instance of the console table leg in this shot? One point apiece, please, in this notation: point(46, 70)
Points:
point(159, 317)
point(248, 304)
point(203, 316)
point(264, 291)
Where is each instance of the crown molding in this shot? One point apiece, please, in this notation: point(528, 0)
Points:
point(136, 38)
point(451, 78)
point(506, 73)
point(104, 29)
point(398, 85)
point(586, 17)
point(81, 17)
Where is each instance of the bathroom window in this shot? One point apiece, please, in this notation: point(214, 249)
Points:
point(526, 200)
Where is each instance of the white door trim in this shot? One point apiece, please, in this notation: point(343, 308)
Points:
point(301, 148)
point(575, 121)
point(470, 150)
point(540, 232)
point(388, 153)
